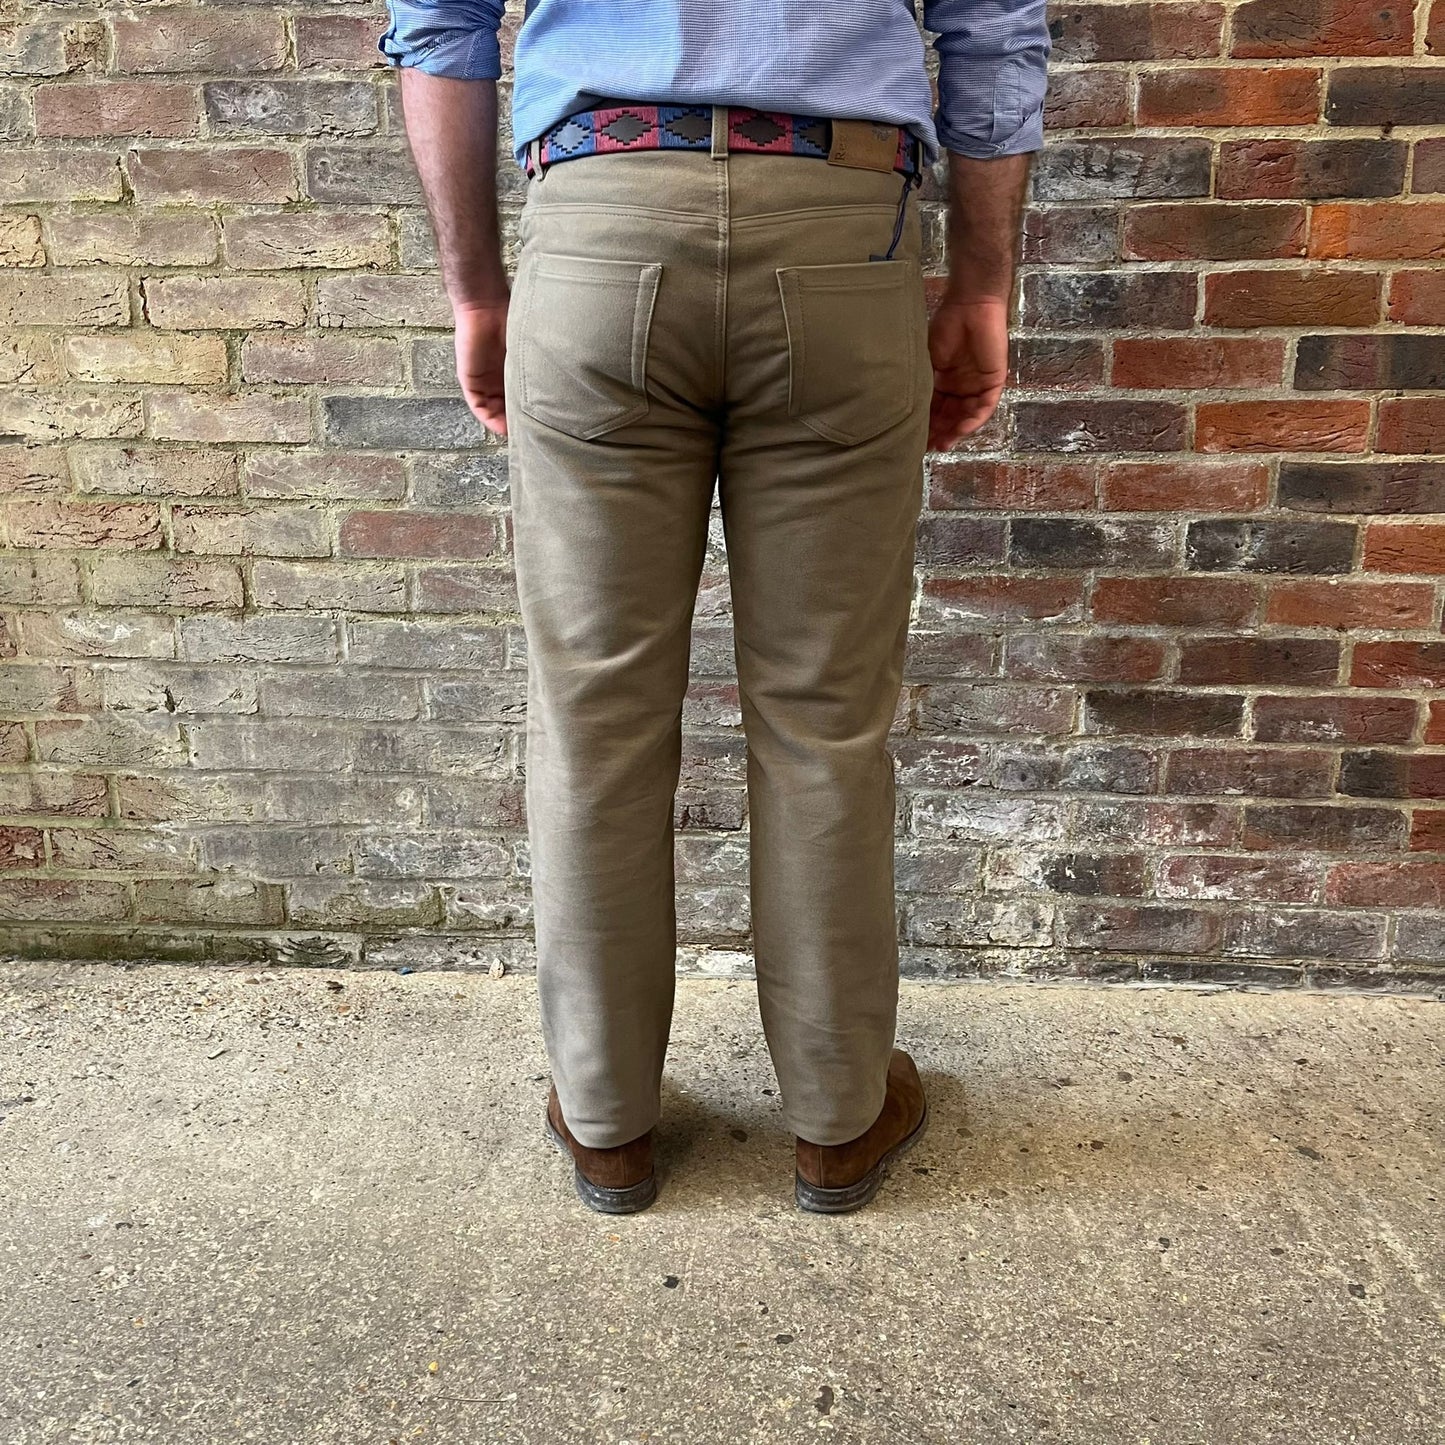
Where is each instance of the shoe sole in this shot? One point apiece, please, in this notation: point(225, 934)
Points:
point(817, 1200)
point(596, 1196)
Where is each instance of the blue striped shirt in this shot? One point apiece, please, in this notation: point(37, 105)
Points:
point(839, 58)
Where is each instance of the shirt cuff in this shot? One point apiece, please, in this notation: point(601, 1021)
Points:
point(1003, 114)
point(469, 54)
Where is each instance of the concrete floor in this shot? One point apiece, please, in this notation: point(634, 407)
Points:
point(290, 1207)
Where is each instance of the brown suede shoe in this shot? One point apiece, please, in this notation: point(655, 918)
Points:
point(611, 1181)
point(837, 1178)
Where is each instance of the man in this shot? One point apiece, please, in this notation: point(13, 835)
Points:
point(720, 285)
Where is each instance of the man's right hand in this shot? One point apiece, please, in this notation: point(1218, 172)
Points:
point(481, 344)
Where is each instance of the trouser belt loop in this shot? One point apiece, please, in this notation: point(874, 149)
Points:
point(719, 131)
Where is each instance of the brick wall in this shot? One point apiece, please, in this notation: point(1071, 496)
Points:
point(1171, 709)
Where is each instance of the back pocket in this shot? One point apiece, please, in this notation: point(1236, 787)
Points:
point(852, 338)
point(583, 334)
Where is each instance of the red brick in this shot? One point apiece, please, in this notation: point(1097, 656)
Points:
point(1382, 231)
point(1175, 601)
point(1098, 33)
point(1311, 297)
point(1282, 426)
point(1212, 232)
point(1347, 605)
point(1417, 297)
point(1429, 174)
point(232, 173)
point(1412, 424)
point(1285, 95)
point(1185, 484)
point(1282, 29)
point(1416, 548)
point(1427, 830)
point(1435, 34)
point(1416, 666)
point(1199, 364)
point(1282, 169)
point(1338, 717)
point(117, 108)
point(1004, 599)
point(338, 42)
point(1435, 721)
point(1021, 486)
point(185, 38)
point(1400, 883)
point(417, 534)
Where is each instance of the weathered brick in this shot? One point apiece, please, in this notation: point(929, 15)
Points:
point(1071, 235)
point(31, 688)
point(1412, 424)
point(69, 795)
point(950, 599)
point(1279, 880)
point(400, 423)
point(416, 534)
point(258, 639)
point(52, 47)
point(83, 525)
point(1250, 772)
point(1369, 363)
point(21, 848)
point(180, 690)
point(1086, 99)
point(1029, 485)
point(1161, 712)
point(1429, 175)
point(1126, 168)
point(1105, 299)
point(1379, 232)
point(1100, 426)
point(142, 356)
point(1363, 486)
point(223, 302)
point(362, 176)
point(310, 240)
point(182, 38)
point(465, 589)
point(1092, 33)
point(62, 900)
point(58, 175)
point(217, 417)
point(110, 742)
point(338, 42)
point(1386, 95)
point(477, 479)
point(953, 541)
point(1282, 169)
point(33, 470)
point(382, 301)
point(164, 582)
point(1223, 96)
point(1070, 542)
point(311, 359)
point(1197, 363)
point(54, 416)
point(209, 900)
point(1307, 297)
point(20, 242)
point(426, 645)
point(135, 108)
point(326, 476)
point(1404, 547)
point(29, 359)
point(97, 634)
point(1321, 826)
point(64, 298)
point(312, 586)
point(340, 695)
point(253, 531)
point(1300, 29)
point(1290, 426)
point(1305, 933)
point(235, 174)
point(1146, 928)
point(153, 472)
point(130, 239)
point(1268, 546)
point(1414, 665)
point(290, 107)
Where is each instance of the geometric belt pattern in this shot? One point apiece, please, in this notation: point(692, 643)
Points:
point(606, 129)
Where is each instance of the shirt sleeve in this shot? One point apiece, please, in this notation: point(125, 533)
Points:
point(457, 38)
point(993, 60)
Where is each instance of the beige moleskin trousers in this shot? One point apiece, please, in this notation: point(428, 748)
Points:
point(681, 320)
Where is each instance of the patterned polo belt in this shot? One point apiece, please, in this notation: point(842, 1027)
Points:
point(607, 129)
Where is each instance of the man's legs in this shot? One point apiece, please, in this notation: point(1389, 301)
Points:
point(829, 382)
point(611, 488)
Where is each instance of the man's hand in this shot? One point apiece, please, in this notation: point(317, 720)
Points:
point(481, 341)
point(968, 341)
point(968, 336)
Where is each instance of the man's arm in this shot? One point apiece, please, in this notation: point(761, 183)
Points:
point(450, 61)
point(992, 76)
